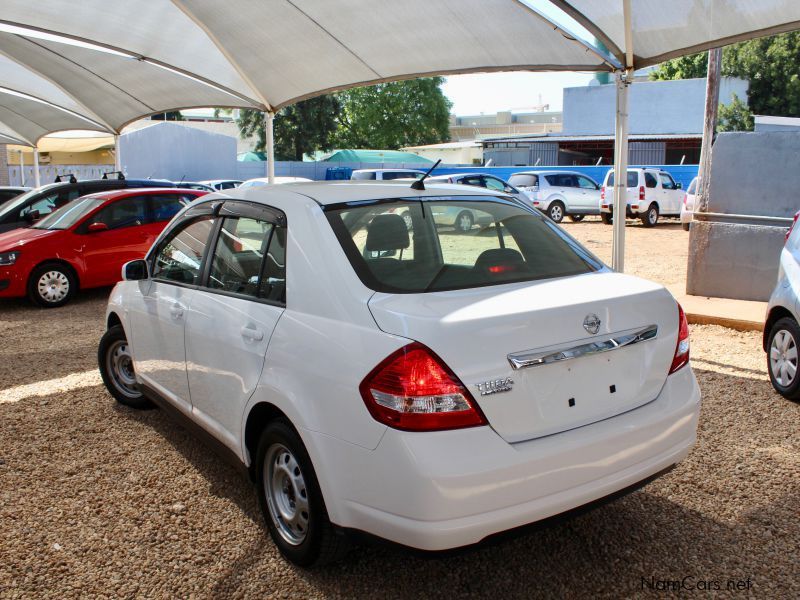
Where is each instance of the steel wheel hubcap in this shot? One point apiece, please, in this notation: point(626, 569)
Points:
point(53, 286)
point(119, 364)
point(465, 223)
point(783, 358)
point(653, 215)
point(287, 496)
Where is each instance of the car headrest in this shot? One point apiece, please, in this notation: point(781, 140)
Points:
point(499, 259)
point(387, 232)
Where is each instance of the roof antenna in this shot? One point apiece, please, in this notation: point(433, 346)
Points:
point(419, 184)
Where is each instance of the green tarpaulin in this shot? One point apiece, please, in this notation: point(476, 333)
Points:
point(376, 156)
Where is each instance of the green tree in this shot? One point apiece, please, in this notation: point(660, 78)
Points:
point(298, 129)
point(734, 116)
point(771, 65)
point(393, 115)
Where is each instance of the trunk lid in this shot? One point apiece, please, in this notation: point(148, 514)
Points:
point(475, 330)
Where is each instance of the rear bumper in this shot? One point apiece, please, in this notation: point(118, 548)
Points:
point(631, 214)
point(435, 491)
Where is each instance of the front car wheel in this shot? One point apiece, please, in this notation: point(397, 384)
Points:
point(115, 360)
point(52, 285)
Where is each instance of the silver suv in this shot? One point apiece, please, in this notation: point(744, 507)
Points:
point(560, 193)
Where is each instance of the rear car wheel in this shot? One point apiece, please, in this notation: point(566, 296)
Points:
point(782, 358)
point(51, 285)
point(556, 211)
point(576, 218)
point(116, 368)
point(291, 500)
point(650, 218)
point(464, 221)
point(606, 218)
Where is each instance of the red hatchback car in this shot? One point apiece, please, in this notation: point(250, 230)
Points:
point(84, 243)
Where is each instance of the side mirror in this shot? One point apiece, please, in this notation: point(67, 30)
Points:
point(679, 186)
point(95, 227)
point(31, 216)
point(135, 270)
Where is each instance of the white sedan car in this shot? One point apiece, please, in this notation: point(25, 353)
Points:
point(431, 387)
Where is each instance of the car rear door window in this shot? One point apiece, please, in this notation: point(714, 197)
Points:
point(650, 180)
point(238, 254)
point(495, 184)
point(179, 256)
point(273, 278)
point(165, 206)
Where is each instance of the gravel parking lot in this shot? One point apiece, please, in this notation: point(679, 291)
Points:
point(101, 501)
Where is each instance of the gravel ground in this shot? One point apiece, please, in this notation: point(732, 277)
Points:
point(97, 500)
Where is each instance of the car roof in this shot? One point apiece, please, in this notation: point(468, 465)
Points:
point(451, 175)
point(335, 192)
point(124, 193)
point(398, 170)
point(546, 172)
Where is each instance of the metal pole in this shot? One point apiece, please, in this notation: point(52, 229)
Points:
point(36, 178)
point(21, 168)
point(269, 117)
point(117, 157)
point(709, 126)
point(623, 80)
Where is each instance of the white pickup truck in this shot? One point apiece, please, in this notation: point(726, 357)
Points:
point(651, 193)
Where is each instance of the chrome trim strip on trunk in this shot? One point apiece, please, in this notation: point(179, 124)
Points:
point(534, 358)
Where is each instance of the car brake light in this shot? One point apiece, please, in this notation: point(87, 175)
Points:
point(794, 222)
point(681, 357)
point(634, 207)
point(641, 192)
point(685, 198)
point(603, 193)
point(414, 390)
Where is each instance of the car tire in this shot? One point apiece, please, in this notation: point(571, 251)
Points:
point(52, 284)
point(685, 226)
point(116, 368)
point(464, 221)
point(650, 218)
point(783, 347)
point(606, 218)
point(576, 218)
point(556, 211)
point(291, 500)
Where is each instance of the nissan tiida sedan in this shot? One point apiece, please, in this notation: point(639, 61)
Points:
point(424, 385)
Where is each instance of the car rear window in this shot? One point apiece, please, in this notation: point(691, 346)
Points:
point(692, 187)
point(363, 175)
point(446, 243)
point(633, 179)
point(524, 180)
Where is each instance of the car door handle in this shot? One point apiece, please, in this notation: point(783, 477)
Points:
point(252, 334)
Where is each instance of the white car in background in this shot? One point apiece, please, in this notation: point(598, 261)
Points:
point(687, 208)
point(221, 184)
point(259, 181)
point(651, 193)
point(385, 174)
point(560, 193)
point(429, 387)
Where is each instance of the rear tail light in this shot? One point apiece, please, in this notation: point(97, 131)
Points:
point(414, 390)
point(685, 199)
point(603, 193)
point(681, 357)
point(791, 227)
point(634, 207)
point(641, 193)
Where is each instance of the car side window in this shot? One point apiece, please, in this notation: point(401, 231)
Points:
point(179, 256)
point(666, 182)
point(495, 184)
point(236, 261)
point(586, 183)
point(164, 207)
point(50, 202)
point(477, 181)
point(649, 180)
point(126, 212)
point(273, 279)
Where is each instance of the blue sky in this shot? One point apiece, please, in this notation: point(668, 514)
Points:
point(491, 92)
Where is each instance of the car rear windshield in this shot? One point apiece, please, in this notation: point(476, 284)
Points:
point(447, 243)
point(69, 214)
point(633, 179)
point(692, 187)
point(524, 180)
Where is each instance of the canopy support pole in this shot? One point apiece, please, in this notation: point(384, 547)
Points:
point(117, 157)
point(21, 168)
point(623, 80)
point(269, 118)
point(709, 127)
point(37, 182)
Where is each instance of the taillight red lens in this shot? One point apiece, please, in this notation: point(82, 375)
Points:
point(414, 390)
point(681, 357)
point(641, 192)
point(685, 198)
point(791, 227)
point(603, 193)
